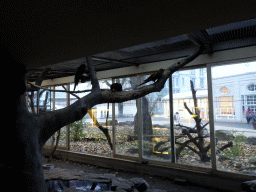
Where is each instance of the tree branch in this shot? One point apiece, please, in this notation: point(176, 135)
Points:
point(186, 132)
point(52, 121)
point(94, 80)
point(186, 107)
point(30, 85)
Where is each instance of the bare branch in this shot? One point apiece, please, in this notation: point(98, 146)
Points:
point(52, 121)
point(190, 112)
point(94, 80)
point(186, 132)
point(205, 125)
point(64, 91)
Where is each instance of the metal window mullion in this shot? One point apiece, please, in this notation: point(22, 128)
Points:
point(139, 116)
point(211, 118)
point(173, 150)
point(53, 98)
point(113, 126)
point(37, 101)
point(68, 126)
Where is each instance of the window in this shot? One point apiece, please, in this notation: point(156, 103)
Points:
point(224, 90)
point(252, 87)
point(251, 102)
point(177, 81)
point(230, 122)
point(225, 106)
point(201, 72)
point(202, 82)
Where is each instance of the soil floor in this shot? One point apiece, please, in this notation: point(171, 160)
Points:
point(154, 181)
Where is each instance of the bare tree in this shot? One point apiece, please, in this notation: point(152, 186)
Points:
point(198, 141)
point(33, 130)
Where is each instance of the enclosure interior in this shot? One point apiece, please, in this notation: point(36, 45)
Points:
point(160, 128)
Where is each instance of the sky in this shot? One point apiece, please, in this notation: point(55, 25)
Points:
point(234, 69)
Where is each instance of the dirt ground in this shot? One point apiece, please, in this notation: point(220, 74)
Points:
point(154, 181)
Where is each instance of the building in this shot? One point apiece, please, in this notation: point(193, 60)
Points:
point(181, 80)
point(232, 95)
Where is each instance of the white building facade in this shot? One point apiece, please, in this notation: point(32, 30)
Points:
point(232, 95)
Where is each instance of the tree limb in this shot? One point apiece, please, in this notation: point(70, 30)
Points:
point(94, 80)
point(186, 132)
point(186, 107)
point(51, 121)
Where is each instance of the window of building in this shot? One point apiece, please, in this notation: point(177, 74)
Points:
point(251, 102)
point(225, 106)
point(177, 81)
point(193, 72)
point(193, 80)
point(224, 90)
point(202, 82)
point(252, 87)
point(202, 72)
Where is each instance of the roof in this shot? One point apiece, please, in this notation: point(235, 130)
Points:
point(230, 36)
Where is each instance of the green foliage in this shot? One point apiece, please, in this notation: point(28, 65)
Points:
point(236, 150)
point(76, 130)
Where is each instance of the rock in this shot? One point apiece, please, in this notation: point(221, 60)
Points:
point(251, 140)
point(139, 184)
point(249, 185)
point(239, 165)
point(156, 190)
point(252, 160)
point(129, 185)
point(224, 135)
point(71, 190)
point(180, 181)
point(110, 122)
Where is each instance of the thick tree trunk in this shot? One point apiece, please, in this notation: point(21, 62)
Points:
point(147, 130)
point(21, 166)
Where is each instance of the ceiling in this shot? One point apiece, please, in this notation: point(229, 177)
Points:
point(60, 34)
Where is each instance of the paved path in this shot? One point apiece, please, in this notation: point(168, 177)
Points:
point(243, 128)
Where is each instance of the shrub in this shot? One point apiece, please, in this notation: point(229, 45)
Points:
point(236, 150)
point(76, 130)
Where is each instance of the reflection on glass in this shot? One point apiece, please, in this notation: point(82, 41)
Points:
point(45, 101)
point(126, 122)
point(234, 117)
point(156, 125)
point(85, 134)
point(192, 137)
point(61, 102)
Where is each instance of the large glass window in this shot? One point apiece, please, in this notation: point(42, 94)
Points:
point(191, 119)
point(156, 139)
point(90, 134)
point(234, 137)
point(55, 101)
point(126, 122)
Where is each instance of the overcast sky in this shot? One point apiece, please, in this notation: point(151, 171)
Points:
point(228, 70)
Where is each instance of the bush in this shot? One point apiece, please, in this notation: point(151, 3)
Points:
point(236, 150)
point(76, 130)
